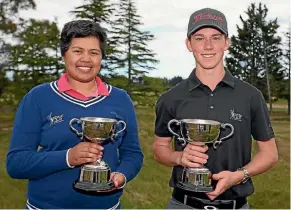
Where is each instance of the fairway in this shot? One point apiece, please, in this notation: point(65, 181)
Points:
point(150, 188)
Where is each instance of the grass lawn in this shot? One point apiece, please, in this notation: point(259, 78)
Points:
point(150, 188)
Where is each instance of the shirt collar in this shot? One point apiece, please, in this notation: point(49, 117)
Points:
point(228, 79)
point(63, 85)
point(194, 82)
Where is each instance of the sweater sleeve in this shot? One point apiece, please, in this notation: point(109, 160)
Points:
point(131, 156)
point(23, 159)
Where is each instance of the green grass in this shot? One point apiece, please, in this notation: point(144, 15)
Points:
point(281, 102)
point(150, 188)
point(272, 189)
point(12, 192)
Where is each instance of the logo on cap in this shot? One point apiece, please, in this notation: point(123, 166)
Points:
point(207, 16)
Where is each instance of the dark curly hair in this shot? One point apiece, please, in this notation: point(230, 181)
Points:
point(82, 28)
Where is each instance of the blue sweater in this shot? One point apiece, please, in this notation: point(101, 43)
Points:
point(42, 121)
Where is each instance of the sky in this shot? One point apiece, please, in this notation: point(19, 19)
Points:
point(167, 20)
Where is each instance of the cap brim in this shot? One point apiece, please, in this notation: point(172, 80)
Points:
point(206, 26)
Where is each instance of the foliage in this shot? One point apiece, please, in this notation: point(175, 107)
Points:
point(145, 93)
point(175, 80)
point(285, 84)
point(8, 13)
point(3, 82)
point(38, 47)
point(99, 11)
point(136, 57)
point(255, 38)
point(35, 58)
point(4, 62)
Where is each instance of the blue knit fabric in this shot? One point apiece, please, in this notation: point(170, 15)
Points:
point(42, 120)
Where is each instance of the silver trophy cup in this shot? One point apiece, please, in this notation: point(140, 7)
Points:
point(95, 177)
point(204, 132)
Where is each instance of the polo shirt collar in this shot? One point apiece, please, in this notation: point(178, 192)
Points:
point(228, 79)
point(194, 82)
point(63, 85)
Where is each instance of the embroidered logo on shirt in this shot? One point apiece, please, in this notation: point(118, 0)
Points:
point(55, 119)
point(235, 116)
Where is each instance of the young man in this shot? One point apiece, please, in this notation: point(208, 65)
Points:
point(42, 120)
point(212, 93)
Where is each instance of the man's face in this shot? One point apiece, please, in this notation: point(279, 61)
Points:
point(83, 59)
point(208, 46)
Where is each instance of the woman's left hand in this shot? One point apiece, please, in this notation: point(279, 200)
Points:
point(118, 179)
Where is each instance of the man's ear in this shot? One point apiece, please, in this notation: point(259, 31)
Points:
point(188, 44)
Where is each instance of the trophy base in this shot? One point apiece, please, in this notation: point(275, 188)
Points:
point(94, 187)
point(194, 188)
point(196, 180)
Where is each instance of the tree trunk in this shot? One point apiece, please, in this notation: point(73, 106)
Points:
point(289, 46)
point(129, 55)
point(288, 105)
point(268, 80)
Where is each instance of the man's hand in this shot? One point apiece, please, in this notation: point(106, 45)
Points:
point(84, 152)
point(226, 179)
point(194, 155)
point(118, 179)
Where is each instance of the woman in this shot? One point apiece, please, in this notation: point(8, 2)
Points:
point(42, 121)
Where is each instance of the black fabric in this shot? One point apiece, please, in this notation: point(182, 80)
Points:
point(232, 101)
point(199, 203)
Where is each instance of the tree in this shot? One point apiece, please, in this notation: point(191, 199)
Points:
point(136, 57)
point(36, 57)
point(285, 92)
point(9, 23)
point(101, 11)
point(4, 63)
point(3, 81)
point(255, 53)
point(175, 80)
point(8, 13)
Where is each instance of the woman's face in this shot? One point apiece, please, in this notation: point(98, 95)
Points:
point(83, 59)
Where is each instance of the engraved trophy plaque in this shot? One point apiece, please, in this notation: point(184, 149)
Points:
point(204, 132)
point(95, 177)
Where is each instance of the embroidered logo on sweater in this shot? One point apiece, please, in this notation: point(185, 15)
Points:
point(55, 119)
point(235, 116)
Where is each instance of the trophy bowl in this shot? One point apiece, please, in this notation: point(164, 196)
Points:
point(202, 132)
point(95, 177)
point(98, 130)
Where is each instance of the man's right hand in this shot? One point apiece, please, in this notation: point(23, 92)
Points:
point(194, 155)
point(84, 152)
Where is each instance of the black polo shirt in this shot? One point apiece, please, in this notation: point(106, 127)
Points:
point(233, 101)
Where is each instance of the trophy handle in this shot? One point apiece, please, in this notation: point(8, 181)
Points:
point(224, 125)
point(124, 127)
point(180, 139)
point(74, 129)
